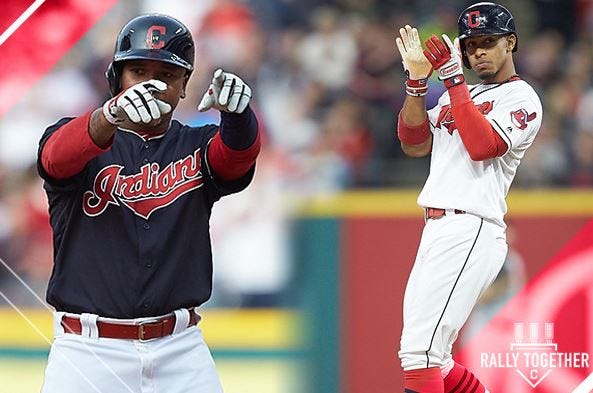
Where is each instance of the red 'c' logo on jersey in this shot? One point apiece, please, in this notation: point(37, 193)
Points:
point(520, 118)
point(154, 37)
point(473, 19)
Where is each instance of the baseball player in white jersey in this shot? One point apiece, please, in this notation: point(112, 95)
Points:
point(476, 136)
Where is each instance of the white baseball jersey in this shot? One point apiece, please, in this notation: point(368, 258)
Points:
point(480, 187)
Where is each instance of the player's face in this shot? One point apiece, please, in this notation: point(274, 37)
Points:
point(136, 71)
point(488, 54)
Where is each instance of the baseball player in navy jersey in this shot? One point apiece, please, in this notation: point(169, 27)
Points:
point(476, 136)
point(130, 196)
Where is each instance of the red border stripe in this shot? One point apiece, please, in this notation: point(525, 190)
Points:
point(38, 44)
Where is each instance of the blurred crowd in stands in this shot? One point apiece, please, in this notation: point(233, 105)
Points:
point(327, 82)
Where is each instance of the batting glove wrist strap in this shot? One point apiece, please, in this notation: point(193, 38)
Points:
point(454, 81)
point(110, 112)
point(417, 87)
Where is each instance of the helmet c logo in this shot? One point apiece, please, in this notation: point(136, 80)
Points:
point(473, 19)
point(154, 37)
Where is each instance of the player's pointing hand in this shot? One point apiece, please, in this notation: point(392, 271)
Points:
point(227, 92)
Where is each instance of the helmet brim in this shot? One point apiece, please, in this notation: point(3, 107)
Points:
point(153, 54)
point(484, 32)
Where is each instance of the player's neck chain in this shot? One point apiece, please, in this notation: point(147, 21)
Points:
point(512, 78)
point(490, 86)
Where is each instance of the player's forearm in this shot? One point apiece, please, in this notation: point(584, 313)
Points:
point(419, 150)
point(69, 149)
point(100, 130)
point(414, 112)
point(238, 130)
point(234, 149)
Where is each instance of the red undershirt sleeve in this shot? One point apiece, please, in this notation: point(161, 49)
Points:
point(481, 141)
point(69, 149)
point(230, 164)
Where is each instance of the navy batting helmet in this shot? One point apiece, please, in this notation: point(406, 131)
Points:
point(484, 19)
point(151, 37)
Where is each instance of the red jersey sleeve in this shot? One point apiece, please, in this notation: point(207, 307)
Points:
point(67, 151)
point(230, 164)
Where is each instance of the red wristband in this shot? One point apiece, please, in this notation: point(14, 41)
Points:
point(412, 135)
point(417, 87)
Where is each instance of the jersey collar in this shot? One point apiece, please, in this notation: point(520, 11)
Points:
point(144, 136)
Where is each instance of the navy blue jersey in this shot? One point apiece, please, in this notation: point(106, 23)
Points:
point(131, 230)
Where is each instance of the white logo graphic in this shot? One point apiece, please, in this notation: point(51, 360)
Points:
point(534, 355)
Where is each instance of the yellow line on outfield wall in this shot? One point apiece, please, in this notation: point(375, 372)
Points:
point(252, 328)
point(222, 328)
point(402, 203)
point(16, 331)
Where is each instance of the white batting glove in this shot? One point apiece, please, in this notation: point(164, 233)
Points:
point(227, 92)
point(417, 67)
point(413, 59)
point(137, 104)
point(445, 57)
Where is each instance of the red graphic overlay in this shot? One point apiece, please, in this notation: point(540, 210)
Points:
point(553, 310)
point(43, 38)
point(11, 10)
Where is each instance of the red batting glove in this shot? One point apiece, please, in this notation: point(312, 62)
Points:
point(445, 59)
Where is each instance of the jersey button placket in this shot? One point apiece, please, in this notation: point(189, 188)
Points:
point(146, 146)
point(146, 226)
